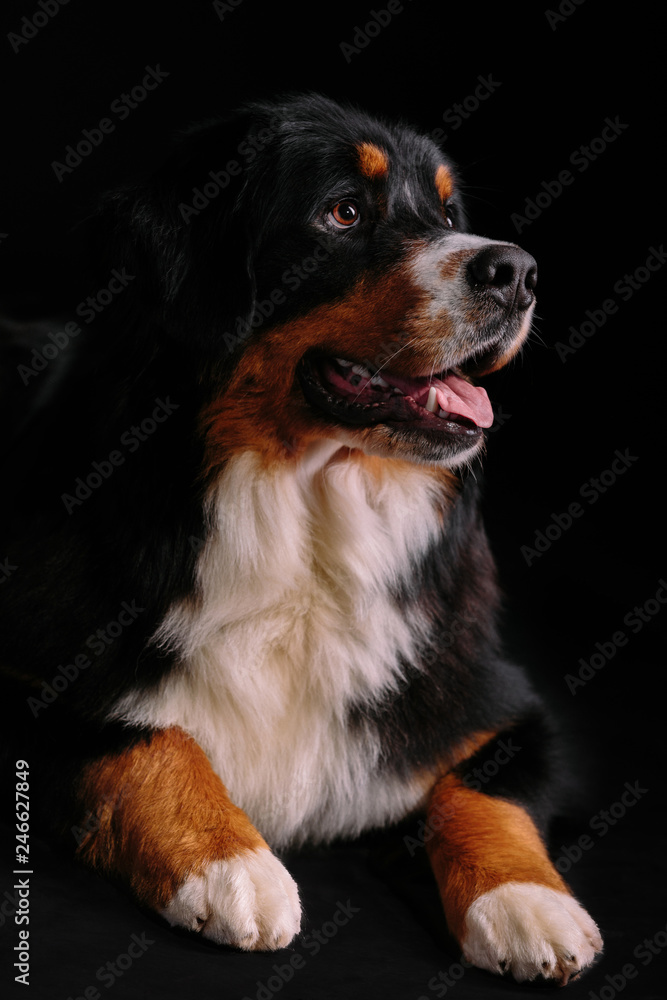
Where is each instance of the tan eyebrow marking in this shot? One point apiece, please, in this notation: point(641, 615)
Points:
point(444, 182)
point(373, 161)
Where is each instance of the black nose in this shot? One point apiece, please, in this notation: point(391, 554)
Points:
point(508, 273)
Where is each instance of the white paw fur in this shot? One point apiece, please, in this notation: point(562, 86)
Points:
point(529, 930)
point(249, 901)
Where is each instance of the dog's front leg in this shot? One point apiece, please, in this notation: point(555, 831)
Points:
point(156, 816)
point(504, 901)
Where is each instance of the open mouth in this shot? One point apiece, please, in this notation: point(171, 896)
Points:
point(446, 403)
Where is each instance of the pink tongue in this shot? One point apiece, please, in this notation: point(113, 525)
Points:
point(453, 394)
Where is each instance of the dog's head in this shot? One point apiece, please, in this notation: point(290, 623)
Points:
point(318, 258)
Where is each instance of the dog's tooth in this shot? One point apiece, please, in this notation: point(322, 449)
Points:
point(397, 392)
point(360, 370)
point(378, 380)
point(432, 401)
point(444, 413)
point(343, 363)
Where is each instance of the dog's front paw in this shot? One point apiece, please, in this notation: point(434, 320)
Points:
point(529, 930)
point(249, 901)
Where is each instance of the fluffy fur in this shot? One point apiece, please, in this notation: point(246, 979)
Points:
point(255, 597)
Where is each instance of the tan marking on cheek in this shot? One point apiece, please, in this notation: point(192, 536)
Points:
point(444, 183)
point(479, 843)
point(373, 161)
point(263, 407)
point(157, 813)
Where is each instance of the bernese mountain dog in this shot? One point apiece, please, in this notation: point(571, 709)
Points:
point(249, 601)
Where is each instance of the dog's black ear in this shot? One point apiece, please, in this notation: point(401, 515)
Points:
point(183, 237)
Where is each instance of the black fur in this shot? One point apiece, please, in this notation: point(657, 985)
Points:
point(175, 334)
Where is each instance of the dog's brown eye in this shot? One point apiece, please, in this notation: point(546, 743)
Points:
point(344, 214)
point(449, 217)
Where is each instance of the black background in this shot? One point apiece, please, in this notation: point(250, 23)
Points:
point(555, 84)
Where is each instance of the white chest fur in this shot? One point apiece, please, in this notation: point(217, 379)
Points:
point(294, 623)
